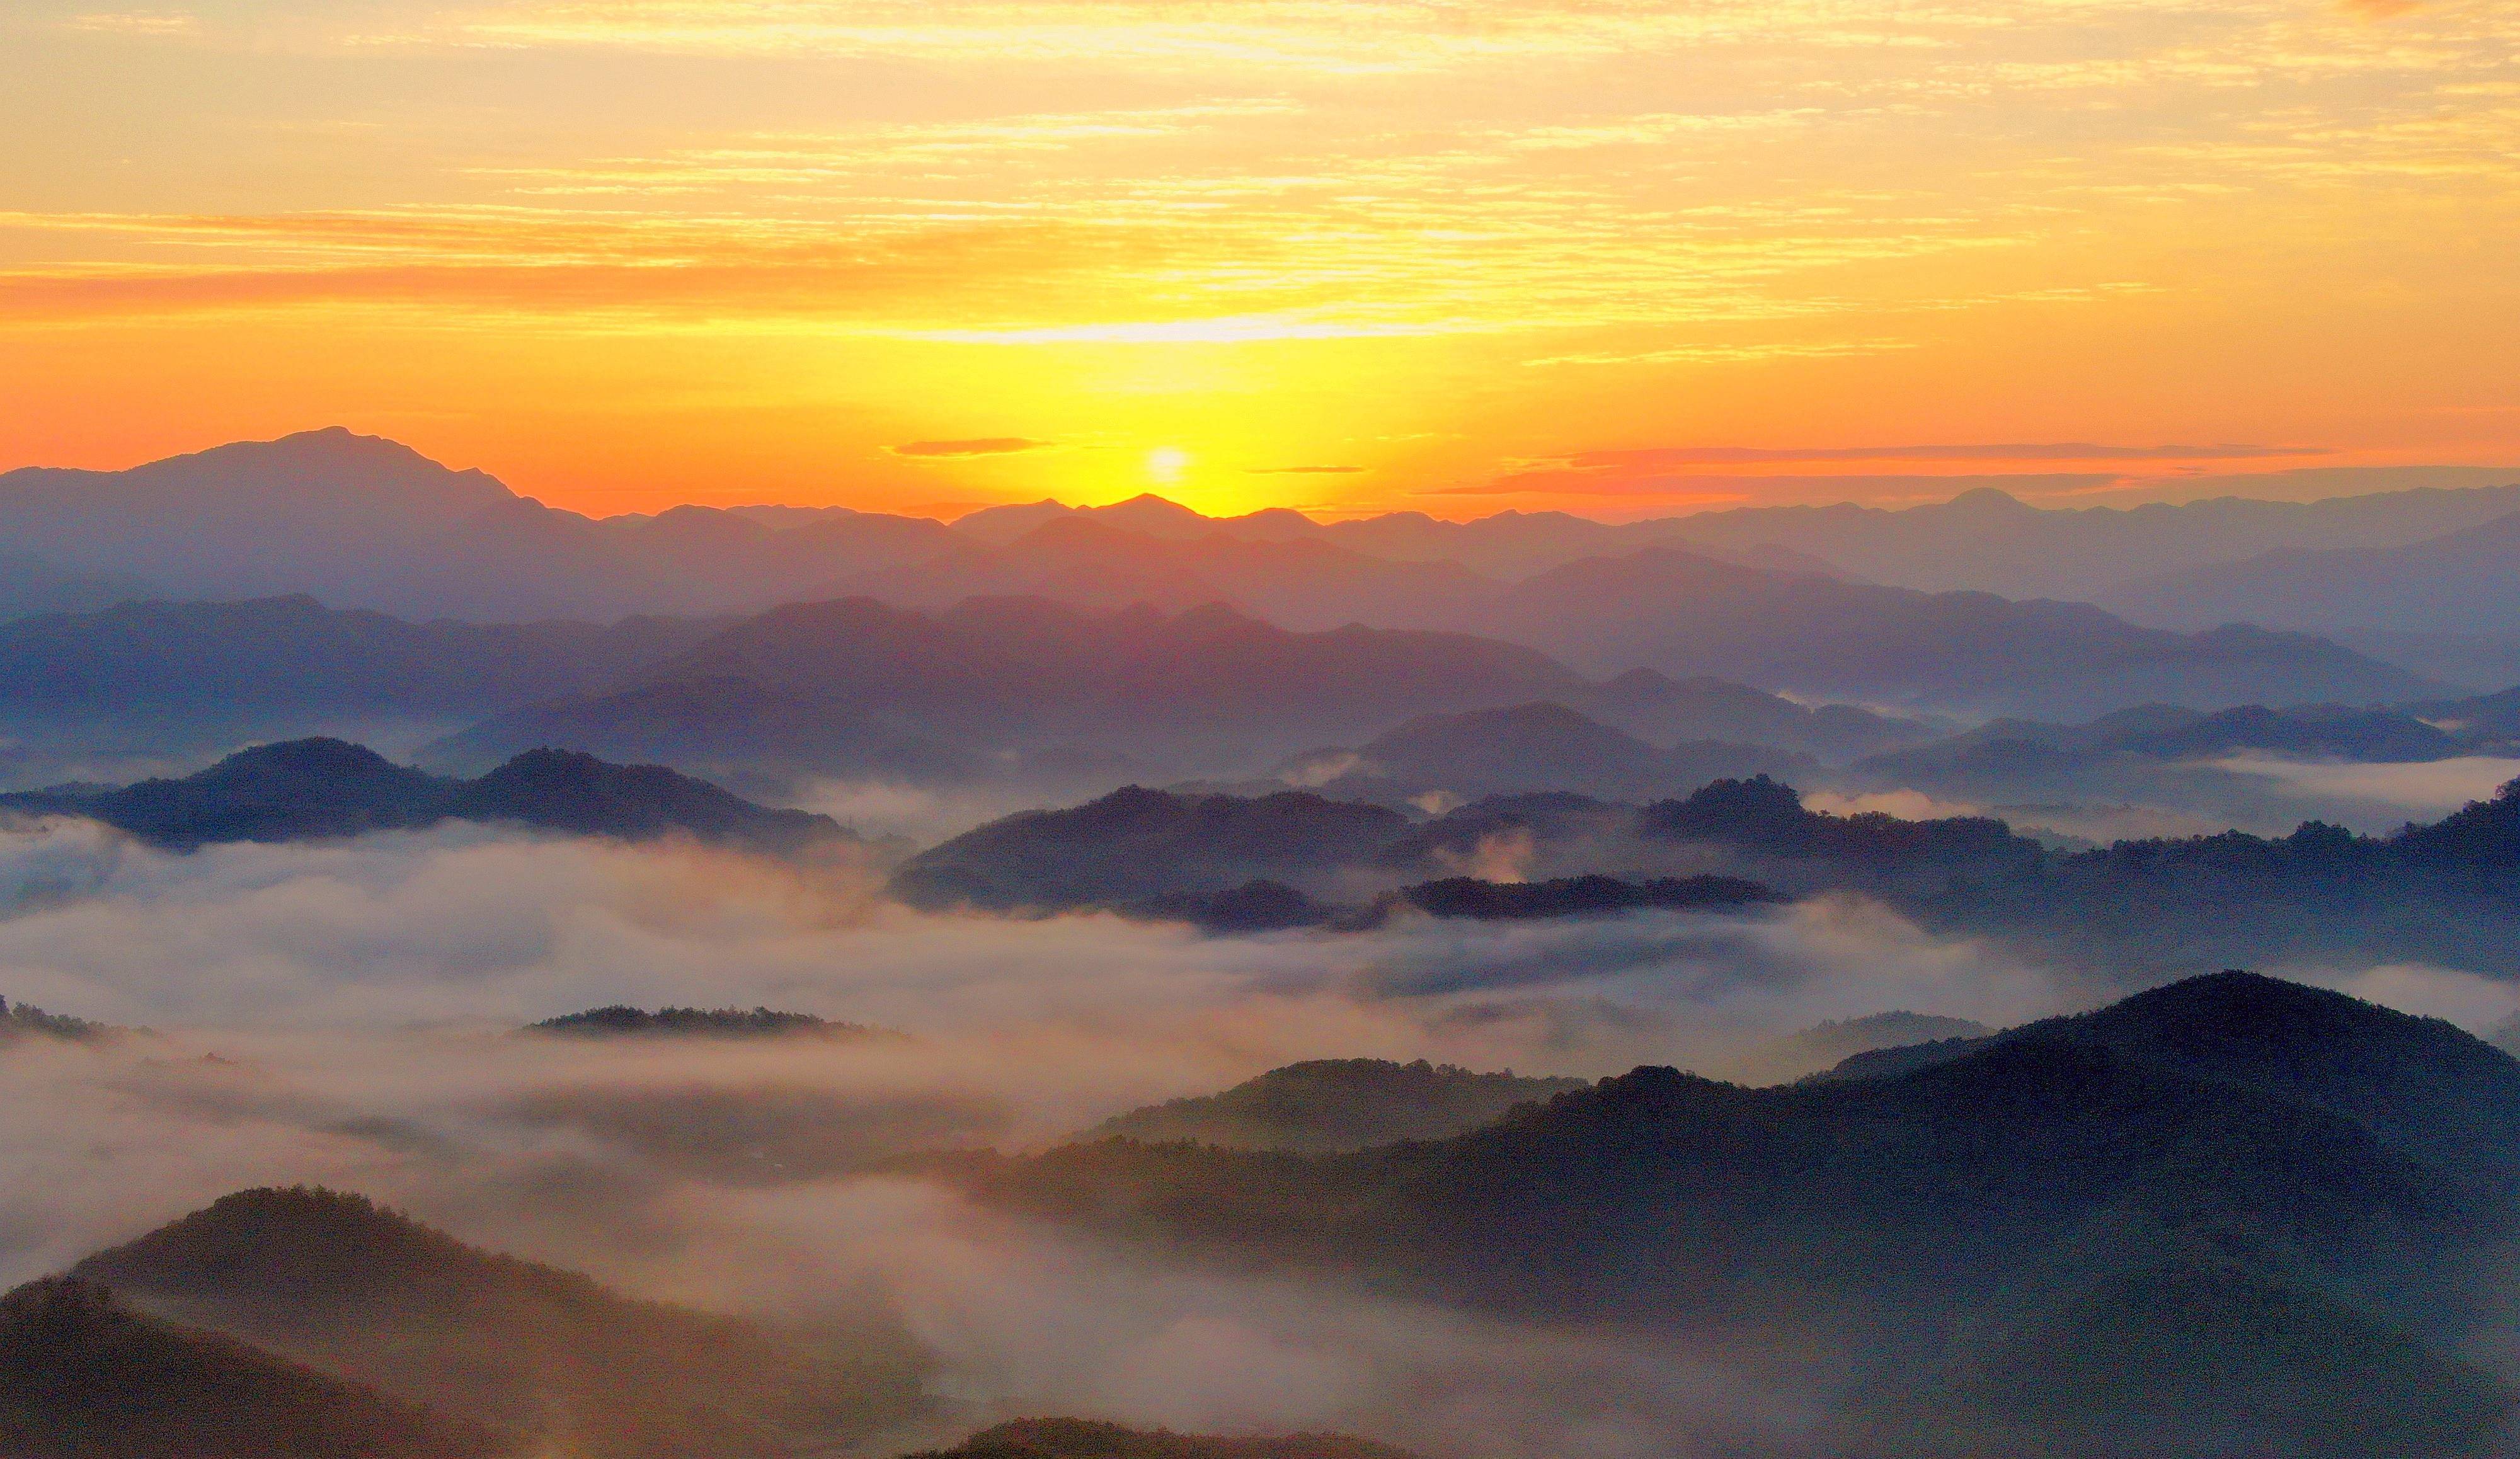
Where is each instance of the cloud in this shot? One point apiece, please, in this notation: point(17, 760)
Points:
point(1305, 471)
point(1721, 487)
point(2065, 450)
point(2380, 794)
point(977, 446)
point(342, 1013)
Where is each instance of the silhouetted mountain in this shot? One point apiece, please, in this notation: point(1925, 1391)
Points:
point(1304, 584)
point(84, 1377)
point(1833, 1043)
point(1765, 820)
point(1570, 897)
point(1435, 759)
point(1137, 844)
point(244, 520)
point(1083, 1438)
point(335, 1281)
point(1326, 1105)
point(2446, 894)
point(1682, 614)
point(2465, 581)
point(327, 787)
point(1660, 708)
point(368, 524)
point(1681, 611)
point(1989, 541)
point(1893, 1226)
point(1023, 678)
point(620, 1021)
point(2419, 1083)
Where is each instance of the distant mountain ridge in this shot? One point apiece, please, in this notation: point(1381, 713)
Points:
point(328, 788)
point(1524, 748)
point(2462, 582)
point(368, 524)
point(857, 686)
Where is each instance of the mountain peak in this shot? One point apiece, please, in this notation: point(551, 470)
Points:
point(1989, 500)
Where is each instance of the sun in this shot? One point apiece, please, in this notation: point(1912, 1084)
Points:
point(1166, 463)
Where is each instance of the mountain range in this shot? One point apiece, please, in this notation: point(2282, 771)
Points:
point(2170, 1224)
point(370, 524)
point(328, 788)
point(2445, 893)
point(1016, 688)
point(2465, 581)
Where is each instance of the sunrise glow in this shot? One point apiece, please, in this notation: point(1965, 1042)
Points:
point(724, 251)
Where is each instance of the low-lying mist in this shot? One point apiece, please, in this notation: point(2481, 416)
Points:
point(347, 1013)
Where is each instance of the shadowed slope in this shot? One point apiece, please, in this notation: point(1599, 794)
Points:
point(333, 1280)
point(84, 1377)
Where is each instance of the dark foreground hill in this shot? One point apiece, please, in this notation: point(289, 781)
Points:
point(2037, 1203)
point(2419, 1083)
point(1083, 1438)
point(328, 788)
point(337, 1283)
point(1326, 1105)
point(83, 1376)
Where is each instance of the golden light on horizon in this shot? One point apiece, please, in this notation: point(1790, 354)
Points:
point(1451, 245)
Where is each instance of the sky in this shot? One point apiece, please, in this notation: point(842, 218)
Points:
point(1453, 257)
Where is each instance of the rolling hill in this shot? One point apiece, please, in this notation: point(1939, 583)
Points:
point(2158, 1206)
point(335, 1282)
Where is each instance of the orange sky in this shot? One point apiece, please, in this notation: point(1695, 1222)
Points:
point(1342, 254)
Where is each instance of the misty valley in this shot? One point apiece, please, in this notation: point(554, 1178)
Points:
point(1965, 981)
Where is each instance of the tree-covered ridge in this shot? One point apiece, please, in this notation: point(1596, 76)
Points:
point(329, 787)
point(1085, 1439)
point(16, 1019)
point(84, 1376)
point(1905, 1223)
point(619, 1020)
point(1325, 1105)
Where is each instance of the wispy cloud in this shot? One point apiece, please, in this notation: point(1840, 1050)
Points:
point(1679, 456)
point(976, 446)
